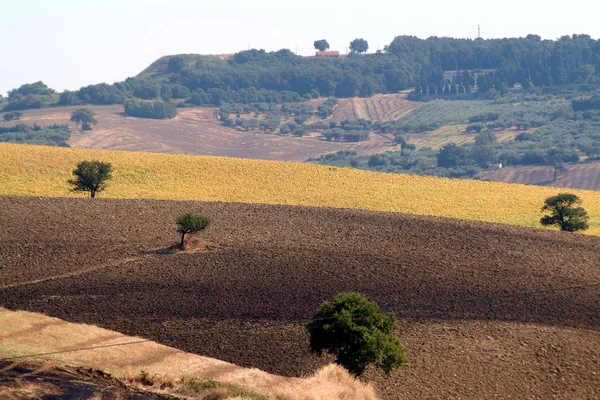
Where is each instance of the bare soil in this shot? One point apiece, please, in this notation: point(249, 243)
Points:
point(106, 262)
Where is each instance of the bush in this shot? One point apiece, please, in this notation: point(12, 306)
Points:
point(154, 110)
point(10, 116)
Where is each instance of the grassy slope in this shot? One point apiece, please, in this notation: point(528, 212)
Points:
point(43, 171)
point(30, 333)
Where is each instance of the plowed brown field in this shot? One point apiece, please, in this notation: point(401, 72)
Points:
point(579, 176)
point(104, 262)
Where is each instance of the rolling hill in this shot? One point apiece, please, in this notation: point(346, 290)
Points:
point(43, 171)
point(106, 262)
point(583, 176)
point(194, 131)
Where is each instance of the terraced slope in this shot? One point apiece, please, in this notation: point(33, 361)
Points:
point(43, 171)
point(380, 107)
point(105, 262)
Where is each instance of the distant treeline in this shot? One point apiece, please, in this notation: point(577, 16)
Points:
point(147, 109)
point(52, 135)
point(279, 77)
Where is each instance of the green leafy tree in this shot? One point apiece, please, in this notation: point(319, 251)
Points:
point(190, 223)
point(564, 213)
point(84, 117)
point(359, 46)
point(352, 328)
point(91, 176)
point(321, 45)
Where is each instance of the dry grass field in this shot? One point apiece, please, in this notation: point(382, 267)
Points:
point(193, 131)
point(104, 262)
point(43, 171)
point(582, 176)
point(112, 370)
point(381, 107)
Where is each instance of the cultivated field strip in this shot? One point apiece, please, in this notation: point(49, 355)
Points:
point(584, 176)
point(43, 171)
point(194, 131)
point(275, 264)
point(380, 107)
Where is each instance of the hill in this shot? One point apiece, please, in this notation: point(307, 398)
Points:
point(583, 176)
point(194, 131)
point(105, 262)
point(43, 171)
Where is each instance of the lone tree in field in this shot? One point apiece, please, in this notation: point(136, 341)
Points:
point(564, 213)
point(321, 45)
point(359, 46)
point(190, 223)
point(352, 328)
point(91, 176)
point(85, 118)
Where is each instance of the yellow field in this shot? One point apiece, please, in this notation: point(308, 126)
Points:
point(43, 171)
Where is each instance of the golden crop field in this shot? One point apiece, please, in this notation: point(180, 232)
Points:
point(43, 171)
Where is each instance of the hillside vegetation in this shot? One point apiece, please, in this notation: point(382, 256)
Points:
point(43, 171)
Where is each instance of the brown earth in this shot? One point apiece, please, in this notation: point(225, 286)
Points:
point(104, 262)
point(194, 131)
point(579, 176)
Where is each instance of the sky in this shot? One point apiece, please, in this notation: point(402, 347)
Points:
point(72, 43)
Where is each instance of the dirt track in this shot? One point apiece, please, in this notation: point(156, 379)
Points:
point(277, 263)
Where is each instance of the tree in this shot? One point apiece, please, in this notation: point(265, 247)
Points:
point(451, 156)
point(321, 45)
point(91, 176)
point(84, 117)
point(190, 223)
point(359, 46)
point(564, 214)
point(352, 328)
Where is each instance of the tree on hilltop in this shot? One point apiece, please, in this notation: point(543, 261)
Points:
point(84, 117)
point(190, 223)
point(352, 328)
point(91, 176)
point(321, 45)
point(359, 46)
point(564, 214)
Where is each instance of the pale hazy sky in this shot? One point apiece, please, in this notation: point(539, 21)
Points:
point(73, 43)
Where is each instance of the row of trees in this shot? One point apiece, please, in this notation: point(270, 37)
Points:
point(494, 64)
point(147, 109)
point(357, 46)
